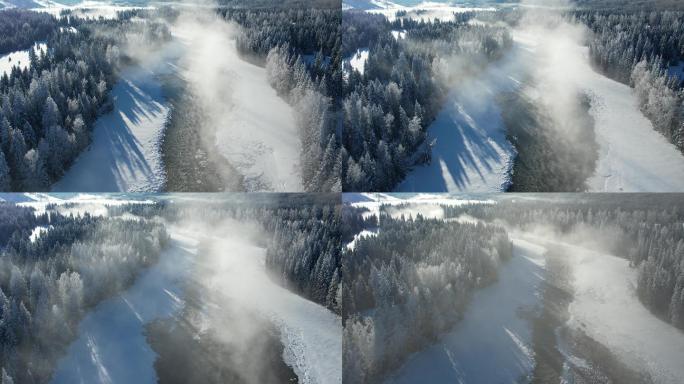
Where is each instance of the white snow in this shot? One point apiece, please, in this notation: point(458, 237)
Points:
point(633, 157)
point(311, 334)
point(606, 307)
point(125, 153)
point(492, 343)
point(19, 58)
point(112, 346)
point(398, 35)
point(363, 234)
point(255, 128)
point(470, 151)
point(95, 205)
point(374, 202)
point(259, 137)
point(358, 60)
point(38, 232)
point(426, 11)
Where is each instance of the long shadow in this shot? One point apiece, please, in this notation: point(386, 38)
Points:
point(115, 151)
point(469, 131)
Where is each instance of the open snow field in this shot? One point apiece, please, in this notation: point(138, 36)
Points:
point(492, 343)
point(426, 11)
point(259, 136)
point(607, 309)
point(112, 346)
point(254, 127)
point(633, 157)
point(124, 154)
point(310, 333)
point(18, 58)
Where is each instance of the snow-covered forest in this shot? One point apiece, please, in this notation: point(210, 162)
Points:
point(424, 276)
point(54, 268)
point(390, 102)
point(520, 98)
point(97, 275)
point(48, 109)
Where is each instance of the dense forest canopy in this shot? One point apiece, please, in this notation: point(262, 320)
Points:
point(409, 284)
point(387, 108)
point(47, 110)
point(52, 269)
point(21, 29)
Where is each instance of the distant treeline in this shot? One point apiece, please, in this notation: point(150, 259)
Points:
point(650, 236)
point(303, 239)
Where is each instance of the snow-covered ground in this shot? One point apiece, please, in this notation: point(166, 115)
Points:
point(38, 232)
point(363, 234)
point(19, 58)
point(112, 346)
point(258, 136)
point(606, 307)
point(358, 60)
point(492, 343)
point(633, 157)
point(424, 203)
point(426, 11)
point(471, 152)
point(94, 205)
point(86, 9)
point(125, 153)
point(311, 334)
point(255, 128)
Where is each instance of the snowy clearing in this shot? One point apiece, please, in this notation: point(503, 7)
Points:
point(112, 346)
point(358, 60)
point(255, 128)
point(19, 58)
point(363, 234)
point(94, 205)
point(633, 157)
point(125, 154)
point(471, 152)
point(425, 11)
point(492, 343)
point(311, 334)
point(373, 202)
point(38, 232)
point(607, 309)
